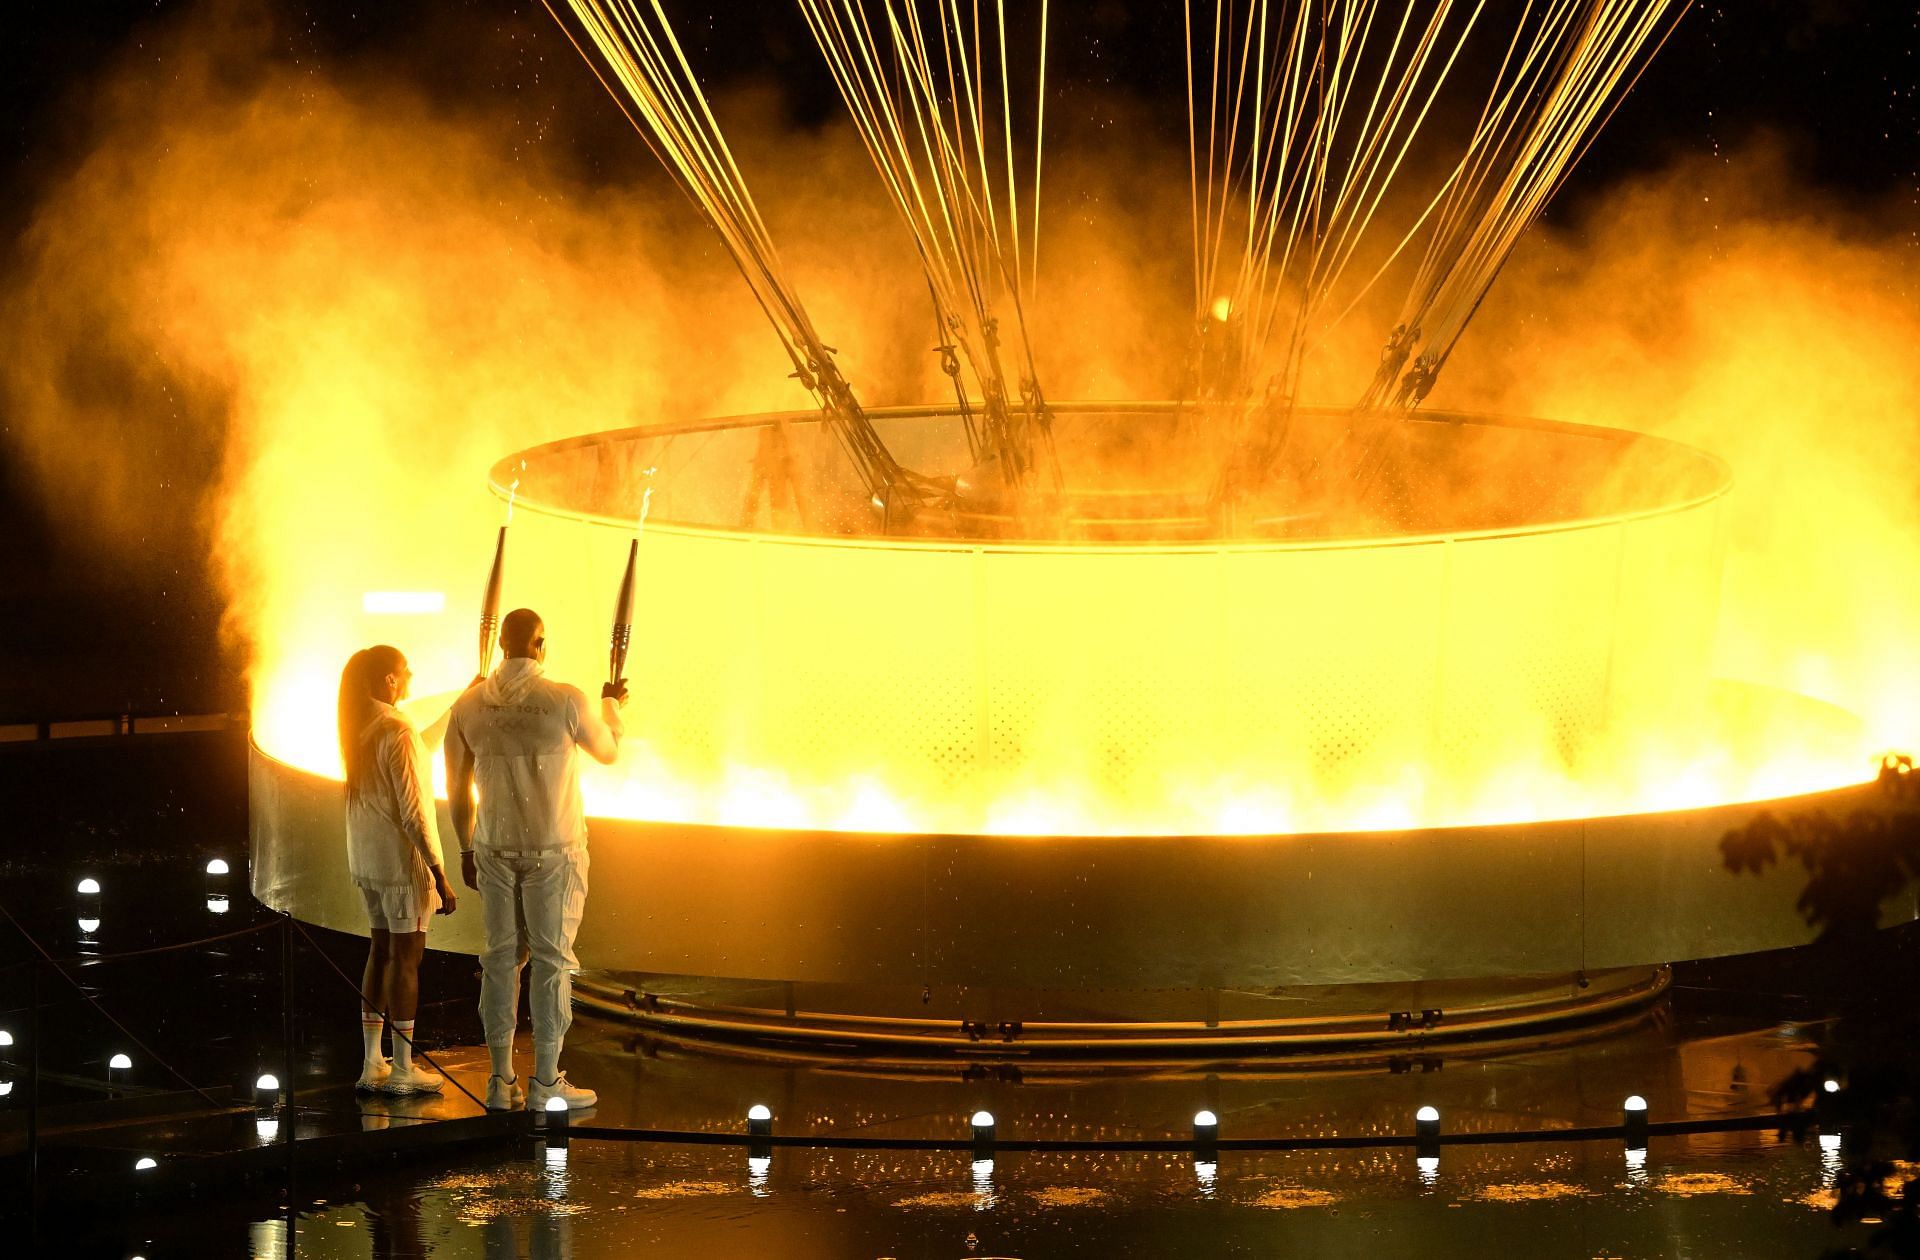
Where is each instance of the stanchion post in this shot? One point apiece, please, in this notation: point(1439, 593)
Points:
point(289, 1118)
point(33, 1099)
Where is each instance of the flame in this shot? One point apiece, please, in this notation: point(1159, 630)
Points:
point(358, 302)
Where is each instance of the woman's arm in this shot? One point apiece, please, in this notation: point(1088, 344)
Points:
point(412, 778)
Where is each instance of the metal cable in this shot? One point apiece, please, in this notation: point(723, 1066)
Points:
point(80, 960)
point(94, 1002)
point(355, 986)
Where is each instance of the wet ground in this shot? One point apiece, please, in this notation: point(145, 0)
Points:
point(1747, 1197)
point(144, 817)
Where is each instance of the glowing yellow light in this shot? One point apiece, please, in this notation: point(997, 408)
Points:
point(403, 603)
point(898, 686)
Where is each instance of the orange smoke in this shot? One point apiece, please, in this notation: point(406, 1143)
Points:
point(361, 302)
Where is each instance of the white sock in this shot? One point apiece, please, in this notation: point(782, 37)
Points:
point(403, 1045)
point(370, 1026)
point(546, 1064)
point(502, 1057)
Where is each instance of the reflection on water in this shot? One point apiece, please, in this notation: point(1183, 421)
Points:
point(1688, 1185)
point(982, 1184)
point(547, 1238)
point(1829, 1158)
point(267, 1240)
point(555, 1158)
point(1296, 1197)
point(608, 1200)
point(1527, 1192)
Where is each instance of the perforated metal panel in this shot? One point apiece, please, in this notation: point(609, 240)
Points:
point(1031, 687)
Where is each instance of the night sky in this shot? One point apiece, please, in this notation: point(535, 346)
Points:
point(1833, 81)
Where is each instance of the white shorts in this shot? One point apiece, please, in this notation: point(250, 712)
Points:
point(400, 911)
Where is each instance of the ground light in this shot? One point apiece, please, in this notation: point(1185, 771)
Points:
point(1633, 1115)
point(217, 899)
point(266, 1093)
point(1426, 1131)
point(759, 1127)
point(146, 1163)
point(982, 1132)
point(117, 1068)
point(87, 904)
point(1206, 1130)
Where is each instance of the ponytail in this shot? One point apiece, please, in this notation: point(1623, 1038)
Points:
point(363, 673)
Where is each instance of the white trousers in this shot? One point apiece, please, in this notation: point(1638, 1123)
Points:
point(532, 903)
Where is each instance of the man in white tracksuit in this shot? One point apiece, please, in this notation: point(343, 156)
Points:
point(516, 735)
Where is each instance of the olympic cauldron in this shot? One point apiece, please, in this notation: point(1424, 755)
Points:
point(1370, 768)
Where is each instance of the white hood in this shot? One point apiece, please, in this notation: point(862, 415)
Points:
point(511, 680)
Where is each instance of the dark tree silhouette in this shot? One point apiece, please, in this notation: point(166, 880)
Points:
point(1853, 863)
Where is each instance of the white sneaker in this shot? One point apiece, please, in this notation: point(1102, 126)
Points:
point(559, 1087)
point(373, 1076)
point(504, 1093)
point(413, 1080)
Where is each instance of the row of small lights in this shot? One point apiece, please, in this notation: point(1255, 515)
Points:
point(1206, 1125)
point(1206, 1136)
point(219, 898)
point(87, 894)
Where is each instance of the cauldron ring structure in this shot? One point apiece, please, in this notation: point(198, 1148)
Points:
point(1580, 619)
point(1128, 677)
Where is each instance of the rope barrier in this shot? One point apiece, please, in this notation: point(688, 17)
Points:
point(848, 1142)
point(88, 960)
point(105, 1014)
point(354, 985)
point(830, 1141)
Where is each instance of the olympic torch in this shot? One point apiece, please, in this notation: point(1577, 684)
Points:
point(490, 605)
point(490, 602)
point(623, 602)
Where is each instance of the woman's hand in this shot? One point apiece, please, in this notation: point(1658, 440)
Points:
point(444, 887)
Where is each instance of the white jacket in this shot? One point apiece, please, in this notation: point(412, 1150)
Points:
point(392, 841)
point(523, 732)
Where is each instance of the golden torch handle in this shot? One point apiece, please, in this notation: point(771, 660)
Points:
point(490, 604)
point(623, 618)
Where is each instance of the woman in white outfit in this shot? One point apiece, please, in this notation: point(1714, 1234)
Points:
point(393, 855)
